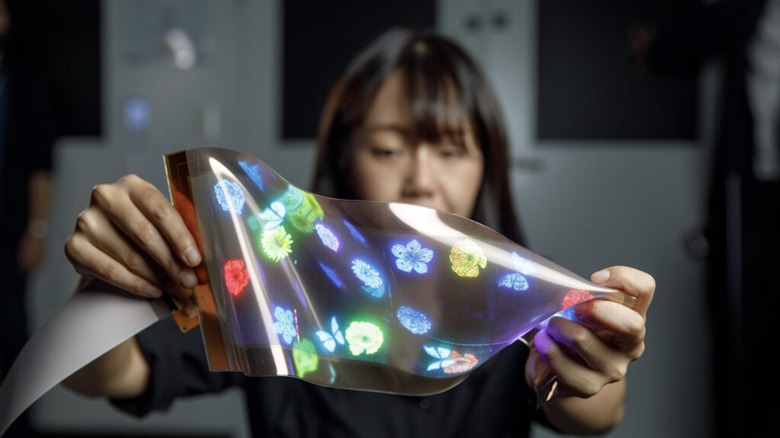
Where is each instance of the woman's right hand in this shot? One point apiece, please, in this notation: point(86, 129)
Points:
point(131, 236)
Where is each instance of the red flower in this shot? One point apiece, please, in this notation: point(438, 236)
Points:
point(236, 276)
point(575, 296)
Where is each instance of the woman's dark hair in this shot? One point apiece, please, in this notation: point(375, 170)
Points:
point(436, 69)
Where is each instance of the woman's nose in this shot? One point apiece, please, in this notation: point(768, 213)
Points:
point(421, 175)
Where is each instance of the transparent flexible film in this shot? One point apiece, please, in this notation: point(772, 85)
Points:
point(377, 296)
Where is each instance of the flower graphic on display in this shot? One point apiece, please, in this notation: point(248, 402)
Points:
point(514, 281)
point(414, 321)
point(253, 170)
point(355, 233)
point(252, 223)
point(292, 198)
point(517, 280)
point(276, 243)
point(230, 196)
point(327, 237)
point(306, 214)
point(462, 363)
point(466, 258)
point(522, 265)
point(285, 324)
point(367, 274)
point(333, 275)
point(364, 337)
point(272, 216)
point(449, 361)
point(412, 256)
point(329, 340)
point(305, 357)
point(574, 297)
point(236, 276)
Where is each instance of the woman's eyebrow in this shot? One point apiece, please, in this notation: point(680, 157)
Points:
point(393, 127)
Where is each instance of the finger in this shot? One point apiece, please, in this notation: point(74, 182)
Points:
point(104, 235)
point(634, 282)
point(589, 349)
point(126, 216)
point(574, 377)
point(614, 323)
point(158, 209)
point(129, 255)
point(90, 261)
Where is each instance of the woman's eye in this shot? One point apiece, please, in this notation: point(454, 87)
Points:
point(385, 152)
point(452, 152)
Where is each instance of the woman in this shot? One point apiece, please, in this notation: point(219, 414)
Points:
point(411, 120)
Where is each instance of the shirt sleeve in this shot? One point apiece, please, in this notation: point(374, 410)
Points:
point(178, 368)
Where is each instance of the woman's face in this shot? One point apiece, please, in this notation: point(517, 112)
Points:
point(387, 164)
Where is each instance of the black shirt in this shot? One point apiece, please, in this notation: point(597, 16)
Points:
point(27, 136)
point(494, 401)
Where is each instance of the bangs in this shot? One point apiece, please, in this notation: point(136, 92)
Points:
point(437, 107)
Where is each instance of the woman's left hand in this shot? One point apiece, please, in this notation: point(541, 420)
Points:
point(597, 348)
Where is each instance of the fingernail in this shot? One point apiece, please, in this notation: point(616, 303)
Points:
point(153, 292)
point(600, 276)
point(192, 256)
point(188, 278)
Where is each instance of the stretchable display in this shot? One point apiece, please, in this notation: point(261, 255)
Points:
point(377, 296)
point(362, 295)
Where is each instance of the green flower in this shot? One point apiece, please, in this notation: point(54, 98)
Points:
point(364, 337)
point(305, 357)
point(276, 243)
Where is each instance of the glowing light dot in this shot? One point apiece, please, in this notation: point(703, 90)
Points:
point(252, 223)
point(230, 196)
point(414, 321)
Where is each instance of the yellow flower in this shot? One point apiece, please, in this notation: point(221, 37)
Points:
point(466, 258)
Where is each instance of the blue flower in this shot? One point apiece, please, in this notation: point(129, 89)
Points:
point(230, 196)
point(366, 273)
point(412, 256)
point(253, 170)
point(414, 321)
point(514, 281)
point(327, 237)
point(285, 324)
